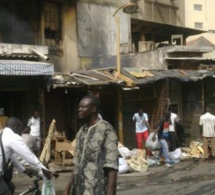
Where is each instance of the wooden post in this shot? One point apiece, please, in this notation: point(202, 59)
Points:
point(203, 96)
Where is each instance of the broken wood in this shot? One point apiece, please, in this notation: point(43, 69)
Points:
point(46, 152)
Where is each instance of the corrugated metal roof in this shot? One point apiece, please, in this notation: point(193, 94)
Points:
point(186, 58)
point(19, 56)
point(183, 75)
point(85, 77)
point(129, 77)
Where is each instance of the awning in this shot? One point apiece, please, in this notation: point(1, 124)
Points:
point(161, 32)
point(156, 75)
point(84, 78)
point(25, 68)
point(129, 77)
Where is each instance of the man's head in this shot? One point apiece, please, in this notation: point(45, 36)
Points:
point(167, 115)
point(140, 111)
point(208, 109)
point(88, 106)
point(15, 124)
point(35, 114)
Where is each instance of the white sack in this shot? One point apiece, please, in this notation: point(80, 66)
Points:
point(123, 166)
point(124, 152)
point(152, 145)
point(176, 154)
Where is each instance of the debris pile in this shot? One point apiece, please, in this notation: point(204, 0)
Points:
point(133, 160)
point(195, 150)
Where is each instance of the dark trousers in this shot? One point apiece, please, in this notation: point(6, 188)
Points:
point(173, 141)
point(4, 189)
point(11, 187)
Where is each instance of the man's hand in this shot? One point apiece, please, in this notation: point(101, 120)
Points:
point(48, 174)
point(30, 172)
point(66, 193)
point(154, 138)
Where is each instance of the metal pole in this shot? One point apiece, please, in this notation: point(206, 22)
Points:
point(120, 117)
point(118, 62)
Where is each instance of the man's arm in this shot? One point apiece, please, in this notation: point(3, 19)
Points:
point(18, 146)
point(111, 160)
point(201, 126)
point(148, 126)
point(200, 130)
point(157, 129)
point(68, 186)
point(112, 178)
point(27, 129)
point(147, 122)
point(134, 118)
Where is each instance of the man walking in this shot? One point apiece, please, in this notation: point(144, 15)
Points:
point(164, 138)
point(207, 132)
point(142, 129)
point(96, 154)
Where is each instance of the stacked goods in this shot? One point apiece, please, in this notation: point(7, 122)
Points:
point(195, 150)
point(135, 158)
point(194, 147)
point(137, 161)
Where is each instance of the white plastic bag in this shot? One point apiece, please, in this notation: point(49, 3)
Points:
point(176, 154)
point(124, 152)
point(152, 145)
point(123, 166)
point(48, 187)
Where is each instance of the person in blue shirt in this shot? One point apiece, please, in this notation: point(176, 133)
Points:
point(163, 132)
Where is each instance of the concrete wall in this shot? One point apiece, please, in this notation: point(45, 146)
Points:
point(147, 60)
point(65, 57)
point(97, 34)
point(192, 15)
point(150, 60)
point(206, 15)
point(210, 24)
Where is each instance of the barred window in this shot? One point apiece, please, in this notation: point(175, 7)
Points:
point(197, 7)
point(198, 25)
point(52, 22)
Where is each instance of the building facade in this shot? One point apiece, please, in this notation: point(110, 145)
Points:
point(199, 14)
point(80, 39)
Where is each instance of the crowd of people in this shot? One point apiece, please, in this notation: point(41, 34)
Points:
point(95, 162)
point(166, 132)
point(169, 131)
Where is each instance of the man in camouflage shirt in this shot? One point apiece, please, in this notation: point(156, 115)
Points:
point(96, 154)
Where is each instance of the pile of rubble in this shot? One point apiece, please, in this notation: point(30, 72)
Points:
point(195, 150)
point(135, 160)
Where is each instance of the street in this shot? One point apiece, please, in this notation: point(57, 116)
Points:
point(185, 178)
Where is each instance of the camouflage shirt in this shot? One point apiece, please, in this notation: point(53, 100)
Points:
point(96, 149)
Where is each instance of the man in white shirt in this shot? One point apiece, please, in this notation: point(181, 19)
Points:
point(142, 129)
point(34, 124)
point(13, 143)
point(175, 119)
point(207, 132)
